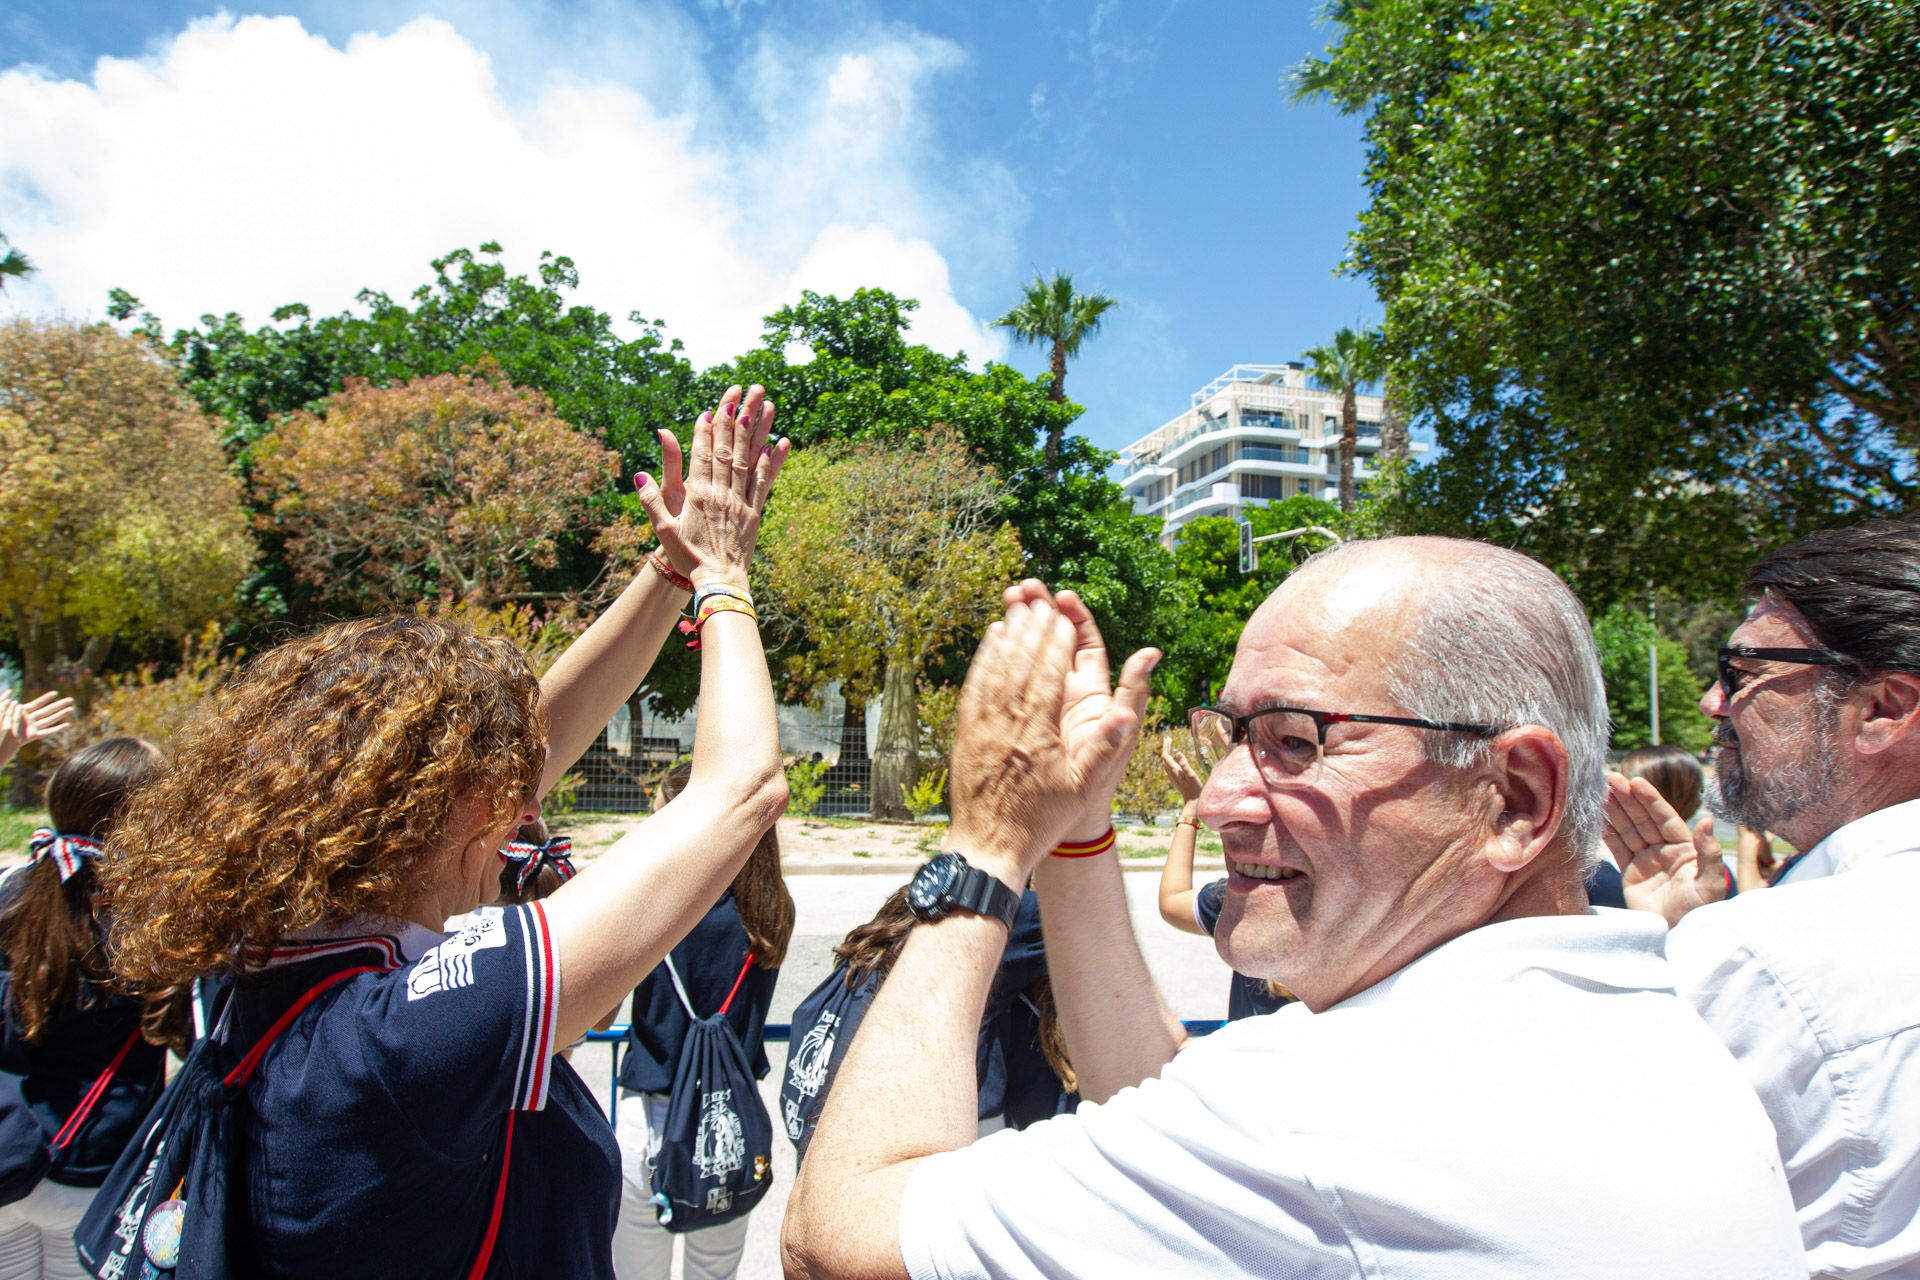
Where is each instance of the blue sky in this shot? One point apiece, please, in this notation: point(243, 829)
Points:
point(702, 160)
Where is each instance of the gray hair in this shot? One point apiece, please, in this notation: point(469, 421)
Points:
point(1502, 641)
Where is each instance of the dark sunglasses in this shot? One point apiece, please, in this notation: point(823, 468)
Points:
point(1732, 678)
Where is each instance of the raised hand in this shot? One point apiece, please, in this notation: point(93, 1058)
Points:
point(1179, 770)
point(1011, 781)
point(1664, 867)
point(24, 722)
point(708, 519)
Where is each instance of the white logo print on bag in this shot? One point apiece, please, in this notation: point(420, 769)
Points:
point(807, 1071)
point(720, 1143)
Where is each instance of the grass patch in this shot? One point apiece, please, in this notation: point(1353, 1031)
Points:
point(16, 825)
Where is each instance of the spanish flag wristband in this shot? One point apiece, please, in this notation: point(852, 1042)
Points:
point(1088, 849)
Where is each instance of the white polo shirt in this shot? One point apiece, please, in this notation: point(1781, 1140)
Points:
point(1815, 986)
point(1442, 1123)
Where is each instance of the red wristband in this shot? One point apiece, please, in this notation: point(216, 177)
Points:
point(667, 571)
point(1088, 849)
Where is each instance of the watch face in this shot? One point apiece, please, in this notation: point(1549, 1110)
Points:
point(930, 884)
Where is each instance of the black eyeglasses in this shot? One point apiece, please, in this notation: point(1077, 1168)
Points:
point(1732, 677)
point(1288, 743)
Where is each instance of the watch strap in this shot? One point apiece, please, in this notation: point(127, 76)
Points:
point(984, 894)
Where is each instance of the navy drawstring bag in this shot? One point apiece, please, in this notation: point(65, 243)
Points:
point(715, 1159)
point(823, 1027)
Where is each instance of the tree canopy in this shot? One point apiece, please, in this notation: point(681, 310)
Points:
point(1649, 268)
point(119, 520)
point(445, 486)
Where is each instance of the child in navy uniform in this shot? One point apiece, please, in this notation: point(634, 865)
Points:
point(409, 1115)
point(1193, 910)
point(63, 1030)
point(754, 917)
point(1020, 1056)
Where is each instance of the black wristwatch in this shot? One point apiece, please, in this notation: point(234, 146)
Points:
point(947, 884)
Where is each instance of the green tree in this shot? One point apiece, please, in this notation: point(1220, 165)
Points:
point(883, 556)
point(865, 381)
point(443, 486)
point(1649, 268)
point(473, 312)
point(1207, 562)
point(1344, 365)
point(119, 520)
point(1053, 314)
point(13, 264)
point(1622, 635)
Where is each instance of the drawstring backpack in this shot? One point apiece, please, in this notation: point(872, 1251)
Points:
point(716, 1149)
point(29, 1153)
point(823, 1027)
point(164, 1212)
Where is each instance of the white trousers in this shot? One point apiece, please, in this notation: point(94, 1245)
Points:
point(36, 1234)
point(642, 1248)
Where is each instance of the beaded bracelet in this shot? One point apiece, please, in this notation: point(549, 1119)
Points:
point(679, 580)
point(1087, 849)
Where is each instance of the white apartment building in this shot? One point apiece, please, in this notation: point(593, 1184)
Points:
point(1255, 434)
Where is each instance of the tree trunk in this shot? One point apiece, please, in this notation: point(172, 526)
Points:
point(896, 760)
point(1349, 441)
point(1393, 427)
point(1058, 394)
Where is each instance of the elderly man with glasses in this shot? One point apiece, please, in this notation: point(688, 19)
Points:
point(1406, 770)
point(1815, 983)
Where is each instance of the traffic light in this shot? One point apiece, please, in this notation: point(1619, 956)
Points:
point(1249, 554)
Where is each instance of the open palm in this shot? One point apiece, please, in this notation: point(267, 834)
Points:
point(1664, 867)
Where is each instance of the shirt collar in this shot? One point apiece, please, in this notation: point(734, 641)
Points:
point(401, 941)
point(1602, 947)
point(1894, 829)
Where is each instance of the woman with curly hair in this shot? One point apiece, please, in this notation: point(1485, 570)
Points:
point(77, 1074)
point(729, 962)
point(401, 1109)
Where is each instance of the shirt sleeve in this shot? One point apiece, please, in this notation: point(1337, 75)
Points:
point(1152, 1176)
point(1207, 905)
point(466, 1032)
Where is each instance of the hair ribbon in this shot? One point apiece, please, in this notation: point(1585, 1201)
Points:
point(69, 853)
point(529, 857)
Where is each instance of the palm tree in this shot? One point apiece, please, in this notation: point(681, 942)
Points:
point(1343, 365)
point(1051, 312)
point(13, 264)
point(1374, 367)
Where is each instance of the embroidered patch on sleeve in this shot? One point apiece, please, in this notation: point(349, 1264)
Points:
point(449, 966)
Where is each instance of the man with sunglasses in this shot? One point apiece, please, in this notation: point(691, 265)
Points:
point(1406, 771)
point(1815, 983)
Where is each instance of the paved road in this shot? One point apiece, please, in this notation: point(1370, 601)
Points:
point(826, 907)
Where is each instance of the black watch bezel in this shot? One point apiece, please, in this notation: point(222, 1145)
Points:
point(949, 883)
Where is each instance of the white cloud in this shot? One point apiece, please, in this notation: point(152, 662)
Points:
point(250, 163)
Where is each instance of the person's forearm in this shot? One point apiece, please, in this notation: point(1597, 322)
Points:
point(1176, 876)
point(906, 1090)
point(601, 669)
point(614, 921)
point(1118, 1029)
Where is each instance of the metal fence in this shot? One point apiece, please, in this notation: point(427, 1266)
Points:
point(625, 764)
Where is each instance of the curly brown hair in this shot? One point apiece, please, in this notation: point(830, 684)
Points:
point(320, 788)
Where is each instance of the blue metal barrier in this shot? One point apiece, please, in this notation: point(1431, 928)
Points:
point(616, 1035)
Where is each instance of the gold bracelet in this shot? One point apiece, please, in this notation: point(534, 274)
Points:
point(1187, 822)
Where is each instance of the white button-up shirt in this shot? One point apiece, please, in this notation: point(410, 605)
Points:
point(1815, 986)
point(1442, 1123)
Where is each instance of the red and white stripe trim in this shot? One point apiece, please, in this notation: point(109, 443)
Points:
point(538, 1046)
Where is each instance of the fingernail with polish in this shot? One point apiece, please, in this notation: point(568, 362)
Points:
point(641, 480)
